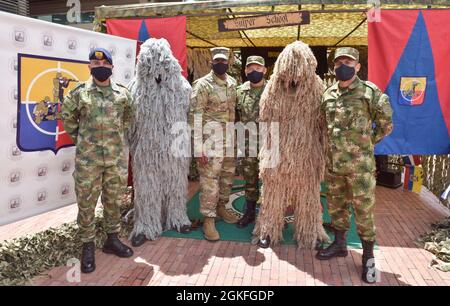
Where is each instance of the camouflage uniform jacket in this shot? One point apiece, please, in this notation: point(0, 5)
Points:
point(97, 119)
point(215, 100)
point(357, 118)
point(248, 102)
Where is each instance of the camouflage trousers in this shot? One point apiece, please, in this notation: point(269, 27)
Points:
point(250, 170)
point(356, 190)
point(90, 181)
point(216, 181)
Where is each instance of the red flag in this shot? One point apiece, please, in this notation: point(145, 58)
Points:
point(173, 29)
point(408, 60)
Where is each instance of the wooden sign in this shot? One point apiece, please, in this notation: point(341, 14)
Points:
point(264, 21)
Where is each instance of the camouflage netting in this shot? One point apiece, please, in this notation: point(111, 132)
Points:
point(325, 29)
point(438, 243)
point(23, 258)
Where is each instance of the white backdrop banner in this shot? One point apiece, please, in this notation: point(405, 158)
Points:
point(39, 63)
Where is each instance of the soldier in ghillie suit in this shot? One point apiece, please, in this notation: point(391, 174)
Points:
point(213, 101)
point(97, 114)
point(292, 99)
point(358, 116)
point(160, 165)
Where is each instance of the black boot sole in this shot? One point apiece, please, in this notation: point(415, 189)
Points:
point(341, 254)
point(264, 246)
point(87, 271)
point(139, 243)
point(211, 240)
point(239, 225)
point(185, 231)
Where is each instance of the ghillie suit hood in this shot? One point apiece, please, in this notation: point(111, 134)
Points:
point(292, 97)
point(161, 99)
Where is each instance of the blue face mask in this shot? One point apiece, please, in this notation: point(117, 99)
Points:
point(101, 73)
point(220, 68)
point(255, 76)
point(344, 72)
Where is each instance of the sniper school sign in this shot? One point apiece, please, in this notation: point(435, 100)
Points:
point(264, 21)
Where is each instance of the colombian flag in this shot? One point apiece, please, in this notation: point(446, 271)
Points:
point(413, 177)
point(173, 29)
point(409, 59)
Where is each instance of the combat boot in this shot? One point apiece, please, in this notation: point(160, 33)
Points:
point(138, 240)
point(337, 249)
point(368, 262)
point(264, 242)
point(224, 214)
point(88, 257)
point(209, 229)
point(249, 215)
point(114, 246)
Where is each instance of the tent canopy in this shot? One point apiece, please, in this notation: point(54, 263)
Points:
point(331, 20)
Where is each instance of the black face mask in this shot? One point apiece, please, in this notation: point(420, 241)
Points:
point(344, 72)
point(101, 73)
point(220, 68)
point(255, 76)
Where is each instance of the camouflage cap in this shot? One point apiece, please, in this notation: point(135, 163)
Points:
point(255, 59)
point(99, 54)
point(347, 51)
point(220, 52)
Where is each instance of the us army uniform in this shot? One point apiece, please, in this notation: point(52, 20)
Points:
point(358, 117)
point(247, 109)
point(97, 118)
point(214, 100)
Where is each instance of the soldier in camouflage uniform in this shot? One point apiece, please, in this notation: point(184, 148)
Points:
point(247, 110)
point(213, 101)
point(96, 114)
point(358, 116)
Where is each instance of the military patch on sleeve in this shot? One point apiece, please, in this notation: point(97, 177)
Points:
point(78, 87)
point(371, 85)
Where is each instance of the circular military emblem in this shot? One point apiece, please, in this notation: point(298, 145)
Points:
point(72, 44)
point(13, 65)
point(65, 190)
point(129, 54)
point(92, 45)
point(13, 95)
point(113, 50)
point(127, 76)
point(19, 36)
point(66, 166)
point(42, 171)
point(15, 177)
point(13, 124)
point(14, 152)
point(41, 196)
point(236, 202)
point(412, 90)
point(15, 203)
point(47, 40)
